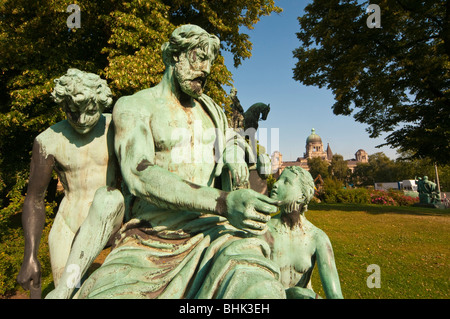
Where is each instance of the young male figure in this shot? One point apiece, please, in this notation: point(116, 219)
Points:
point(80, 149)
point(295, 242)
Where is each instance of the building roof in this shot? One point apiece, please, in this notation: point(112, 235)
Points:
point(313, 138)
point(329, 152)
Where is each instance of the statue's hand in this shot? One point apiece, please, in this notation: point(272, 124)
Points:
point(239, 173)
point(234, 160)
point(30, 273)
point(249, 210)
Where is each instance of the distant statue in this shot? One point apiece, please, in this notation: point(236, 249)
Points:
point(296, 244)
point(254, 114)
point(428, 191)
point(241, 121)
point(237, 120)
point(190, 235)
point(250, 118)
point(80, 149)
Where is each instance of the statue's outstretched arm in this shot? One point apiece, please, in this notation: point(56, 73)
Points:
point(33, 215)
point(327, 267)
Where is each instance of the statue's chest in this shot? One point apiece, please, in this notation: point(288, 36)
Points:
point(71, 157)
point(182, 128)
point(292, 252)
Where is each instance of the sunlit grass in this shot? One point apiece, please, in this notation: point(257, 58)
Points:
point(409, 244)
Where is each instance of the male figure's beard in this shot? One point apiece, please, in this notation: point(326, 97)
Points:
point(192, 88)
point(191, 82)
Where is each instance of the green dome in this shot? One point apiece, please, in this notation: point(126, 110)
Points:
point(313, 138)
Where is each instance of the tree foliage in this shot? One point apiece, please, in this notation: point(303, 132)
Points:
point(383, 169)
point(338, 168)
point(119, 40)
point(394, 78)
point(318, 166)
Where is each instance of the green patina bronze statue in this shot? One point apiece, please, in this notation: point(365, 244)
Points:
point(240, 120)
point(429, 193)
point(255, 113)
point(191, 229)
point(236, 119)
point(190, 235)
point(246, 124)
point(80, 149)
point(296, 244)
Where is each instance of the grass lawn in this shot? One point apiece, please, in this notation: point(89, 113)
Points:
point(411, 246)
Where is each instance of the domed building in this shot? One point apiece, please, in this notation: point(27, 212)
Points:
point(314, 148)
point(361, 156)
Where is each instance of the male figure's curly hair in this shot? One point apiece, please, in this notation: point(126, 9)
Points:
point(79, 86)
point(185, 38)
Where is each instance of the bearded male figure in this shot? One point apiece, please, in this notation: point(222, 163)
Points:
point(187, 237)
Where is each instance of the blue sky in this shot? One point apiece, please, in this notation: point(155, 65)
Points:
point(294, 108)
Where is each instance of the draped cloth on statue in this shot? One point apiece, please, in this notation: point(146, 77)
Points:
point(220, 262)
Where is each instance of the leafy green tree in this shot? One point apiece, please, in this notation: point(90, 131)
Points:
point(338, 168)
point(318, 166)
point(379, 168)
point(394, 78)
point(120, 41)
point(362, 175)
point(444, 177)
point(383, 168)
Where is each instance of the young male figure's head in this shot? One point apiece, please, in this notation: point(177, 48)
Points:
point(294, 189)
point(83, 96)
point(191, 51)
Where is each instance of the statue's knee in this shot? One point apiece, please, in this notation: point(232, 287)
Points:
point(108, 202)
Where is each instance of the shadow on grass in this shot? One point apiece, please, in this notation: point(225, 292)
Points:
point(381, 209)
